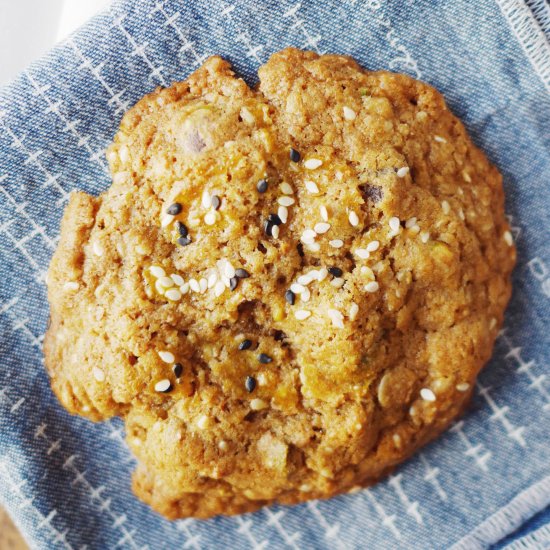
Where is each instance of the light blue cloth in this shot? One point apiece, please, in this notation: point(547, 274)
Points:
point(66, 482)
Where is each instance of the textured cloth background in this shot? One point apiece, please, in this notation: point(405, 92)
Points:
point(66, 482)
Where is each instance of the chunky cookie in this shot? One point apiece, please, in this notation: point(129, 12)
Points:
point(286, 291)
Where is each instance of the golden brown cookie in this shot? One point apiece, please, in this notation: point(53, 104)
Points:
point(285, 291)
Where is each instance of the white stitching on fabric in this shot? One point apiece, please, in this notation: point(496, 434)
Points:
point(311, 42)
point(156, 72)
point(532, 40)
point(499, 413)
point(187, 45)
point(431, 477)
point(17, 143)
point(387, 520)
point(273, 519)
point(244, 529)
point(411, 507)
point(476, 451)
point(114, 97)
point(331, 532)
point(508, 518)
point(70, 125)
point(537, 539)
point(20, 324)
point(27, 503)
point(525, 367)
point(192, 540)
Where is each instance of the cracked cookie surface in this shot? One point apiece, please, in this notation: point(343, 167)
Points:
point(285, 291)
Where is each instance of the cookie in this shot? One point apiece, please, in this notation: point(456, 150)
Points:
point(286, 290)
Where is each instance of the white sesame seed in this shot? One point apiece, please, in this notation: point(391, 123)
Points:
point(337, 282)
point(463, 386)
point(508, 238)
point(203, 285)
point(306, 295)
point(206, 199)
point(247, 116)
point(162, 385)
point(336, 243)
point(226, 281)
point(362, 253)
point(202, 422)
point(322, 274)
point(425, 236)
point(166, 356)
point(308, 235)
point(302, 314)
point(312, 164)
point(219, 289)
point(466, 176)
point(353, 219)
point(178, 279)
point(410, 222)
point(99, 375)
point(173, 294)
point(336, 317)
point(261, 379)
point(210, 218)
point(304, 279)
point(440, 139)
point(492, 323)
point(184, 288)
point(446, 207)
point(97, 249)
point(282, 212)
point(166, 282)
point(258, 404)
point(324, 212)
point(228, 270)
point(166, 220)
point(212, 279)
point(402, 172)
point(70, 286)
point(286, 201)
point(141, 250)
point(353, 311)
point(427, 394)
point(394, 223)
point(367, 271)
point(373, 246)
point(373, 286)
point(159, 287)
point(349, 114)
point(461, 214)
point(297, 288)
point(321, 228)
point(312, 188)
point(275, 231)
point(194, 285)
point(415, 229)
point(286, 188)
point(222, 445)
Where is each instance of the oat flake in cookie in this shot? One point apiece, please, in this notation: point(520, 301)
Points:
point(285, 291)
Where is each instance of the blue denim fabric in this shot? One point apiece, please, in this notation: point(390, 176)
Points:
point(66, 482)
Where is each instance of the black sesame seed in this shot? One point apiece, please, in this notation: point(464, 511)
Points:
point(336, 271)
point(215, 202)
point(250, 383)
point(233, 282)
point(182, 228)
point(262, 186)
point(290, 297)
point(184, 241)
point(242, 273)
point(177, 369)
point(245, 344)
point(263, 358)
point(294, 155)
point(274, 219)
point(174, 209)
point(268, 226)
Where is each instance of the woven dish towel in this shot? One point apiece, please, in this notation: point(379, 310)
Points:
point(486, 482)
